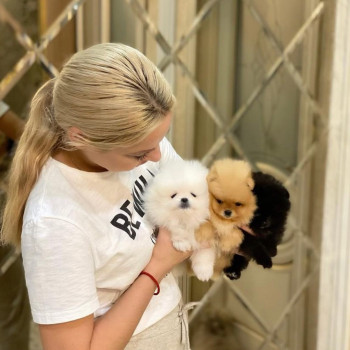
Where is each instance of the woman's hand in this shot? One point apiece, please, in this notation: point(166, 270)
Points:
point(165, 256)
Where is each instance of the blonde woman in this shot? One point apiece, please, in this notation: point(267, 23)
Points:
point(94, 138)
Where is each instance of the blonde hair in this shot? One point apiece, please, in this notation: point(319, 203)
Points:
point(111, 92)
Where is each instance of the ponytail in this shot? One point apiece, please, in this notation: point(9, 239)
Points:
point(40, 137)
point(111, 92)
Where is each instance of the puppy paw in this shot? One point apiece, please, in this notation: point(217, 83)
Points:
point(266, 262)
point(203, 273)
point(183, 246)
point(232, 275)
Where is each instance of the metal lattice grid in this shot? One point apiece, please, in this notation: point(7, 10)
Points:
point(34, 51)
point(34, 54)
point(227, 130)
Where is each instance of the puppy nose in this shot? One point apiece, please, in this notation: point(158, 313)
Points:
point(184, 203)
point(228, 213)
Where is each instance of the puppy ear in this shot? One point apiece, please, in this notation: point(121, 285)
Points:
point(212, 175)
point(250, 183)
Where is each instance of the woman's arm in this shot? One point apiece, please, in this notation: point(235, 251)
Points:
point(113, 330)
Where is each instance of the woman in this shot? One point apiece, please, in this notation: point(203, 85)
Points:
point(94, 138)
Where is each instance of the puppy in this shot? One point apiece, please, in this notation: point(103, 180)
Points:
point(178, 200)
point(231, 204)
point(268, 225)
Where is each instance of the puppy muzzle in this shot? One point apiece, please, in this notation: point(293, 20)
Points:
point(184, 203)
point(227, 213)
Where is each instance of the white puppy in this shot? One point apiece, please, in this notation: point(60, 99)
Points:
point(178, 200)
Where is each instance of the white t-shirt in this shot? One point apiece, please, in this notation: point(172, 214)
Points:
point(85, 241)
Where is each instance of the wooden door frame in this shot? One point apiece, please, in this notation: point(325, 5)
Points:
point(334, 290)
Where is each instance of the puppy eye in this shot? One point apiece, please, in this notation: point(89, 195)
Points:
point(238, 204)
point(173, 195)
point(266, 223)
point(193, 195)
point(219, 201)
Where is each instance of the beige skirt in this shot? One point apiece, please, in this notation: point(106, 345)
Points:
point(170, 333)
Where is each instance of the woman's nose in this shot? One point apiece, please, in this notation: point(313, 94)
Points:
point(155, 155)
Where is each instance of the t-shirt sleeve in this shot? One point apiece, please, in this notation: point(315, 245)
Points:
point(59, 270)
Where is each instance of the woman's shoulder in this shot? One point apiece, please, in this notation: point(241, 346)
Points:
point(61, 191)
point(49, 190)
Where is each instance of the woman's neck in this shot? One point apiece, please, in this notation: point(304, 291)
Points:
point(76, 159)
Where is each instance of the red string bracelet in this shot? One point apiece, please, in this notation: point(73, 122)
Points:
point(153, 279)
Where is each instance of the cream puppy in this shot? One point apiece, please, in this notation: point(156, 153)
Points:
point(178, 200)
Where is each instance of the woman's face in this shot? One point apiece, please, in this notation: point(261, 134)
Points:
point(127, 158)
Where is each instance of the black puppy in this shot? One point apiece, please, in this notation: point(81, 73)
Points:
point(268, 225)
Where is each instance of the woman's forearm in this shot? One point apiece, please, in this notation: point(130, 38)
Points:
point(113, 330)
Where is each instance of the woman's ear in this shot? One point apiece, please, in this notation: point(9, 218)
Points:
point(74, 134)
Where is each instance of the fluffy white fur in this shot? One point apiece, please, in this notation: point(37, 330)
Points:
point(178, 200)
